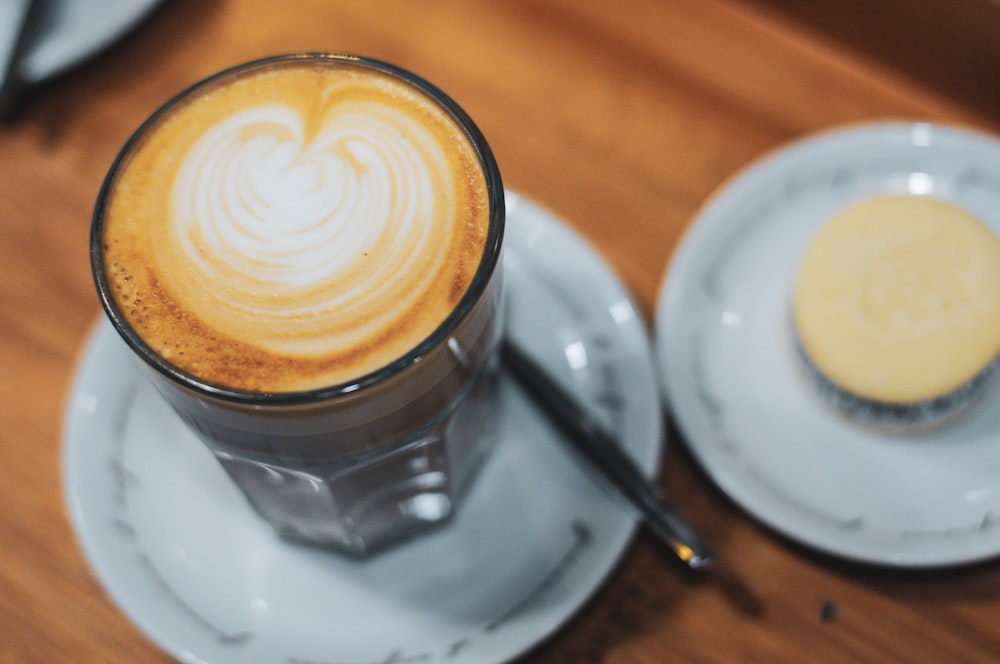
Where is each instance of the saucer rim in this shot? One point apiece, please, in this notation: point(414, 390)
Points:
point(120, 16)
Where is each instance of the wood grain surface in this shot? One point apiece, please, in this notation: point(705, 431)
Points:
point(621, 118)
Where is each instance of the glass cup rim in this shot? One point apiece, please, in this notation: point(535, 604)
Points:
point(481, 279)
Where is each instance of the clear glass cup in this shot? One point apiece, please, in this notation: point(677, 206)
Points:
point(358, 465)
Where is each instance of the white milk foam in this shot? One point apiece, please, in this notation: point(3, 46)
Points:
point(295, 229)
point(266, 213)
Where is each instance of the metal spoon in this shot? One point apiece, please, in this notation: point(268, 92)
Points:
point(604, 451)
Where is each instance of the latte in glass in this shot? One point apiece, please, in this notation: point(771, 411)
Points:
point(299, 225)
point(305, 252)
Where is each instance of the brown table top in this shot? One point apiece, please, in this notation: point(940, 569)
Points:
point(621, 119)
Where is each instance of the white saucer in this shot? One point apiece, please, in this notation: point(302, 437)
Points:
point(730, 377)
point(72, 30)
point(183, 555)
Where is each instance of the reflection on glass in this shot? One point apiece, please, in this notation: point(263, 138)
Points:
point(576, 355)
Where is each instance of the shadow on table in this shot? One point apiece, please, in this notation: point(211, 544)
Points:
point(169, 26)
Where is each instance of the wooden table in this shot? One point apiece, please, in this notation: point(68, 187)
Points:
point(619, 117)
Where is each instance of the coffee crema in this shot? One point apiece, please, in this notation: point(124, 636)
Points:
point(294, 227)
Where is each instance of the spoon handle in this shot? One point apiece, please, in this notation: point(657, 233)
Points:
point(601, 448)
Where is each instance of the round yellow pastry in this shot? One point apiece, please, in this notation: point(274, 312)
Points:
point(897, 300)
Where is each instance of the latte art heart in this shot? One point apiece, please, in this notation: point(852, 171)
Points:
point(288, 226)
point(266, 237)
